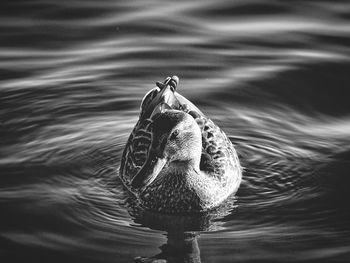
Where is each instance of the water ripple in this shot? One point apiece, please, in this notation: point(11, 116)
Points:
point(272, 75)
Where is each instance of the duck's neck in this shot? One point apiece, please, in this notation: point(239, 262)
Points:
point(183, 167)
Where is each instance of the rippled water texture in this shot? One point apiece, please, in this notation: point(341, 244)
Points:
point(273, 74)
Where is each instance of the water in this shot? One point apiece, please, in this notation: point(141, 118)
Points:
point(273, 75)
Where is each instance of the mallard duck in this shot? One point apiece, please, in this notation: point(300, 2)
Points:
point(177, 160)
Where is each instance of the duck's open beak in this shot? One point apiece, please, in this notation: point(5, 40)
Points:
point(149, 171)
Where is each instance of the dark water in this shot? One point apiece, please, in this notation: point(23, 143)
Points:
point(273, 74)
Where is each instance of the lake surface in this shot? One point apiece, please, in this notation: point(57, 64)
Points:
point(274, 75)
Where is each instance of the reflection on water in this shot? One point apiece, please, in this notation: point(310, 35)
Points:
point(272, 74)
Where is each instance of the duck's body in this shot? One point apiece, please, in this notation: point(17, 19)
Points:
point(176, 159)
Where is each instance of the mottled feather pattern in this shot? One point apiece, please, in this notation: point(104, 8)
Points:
point(216, 149)
point(183, 191)
point(139, 141)
point(147, 99)
point(176, 197)
point(136, 149)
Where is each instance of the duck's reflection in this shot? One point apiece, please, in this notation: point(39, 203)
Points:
point(180, 247)
point(182, 231)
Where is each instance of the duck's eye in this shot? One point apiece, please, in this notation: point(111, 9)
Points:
point(174, 134)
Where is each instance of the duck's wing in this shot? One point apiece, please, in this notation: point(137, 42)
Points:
point(136, 150)
point(147, 100)
point(218, 153)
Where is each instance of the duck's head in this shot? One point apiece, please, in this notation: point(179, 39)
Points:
point(176, 143)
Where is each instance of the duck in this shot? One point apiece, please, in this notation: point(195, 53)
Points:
point(177, 160)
